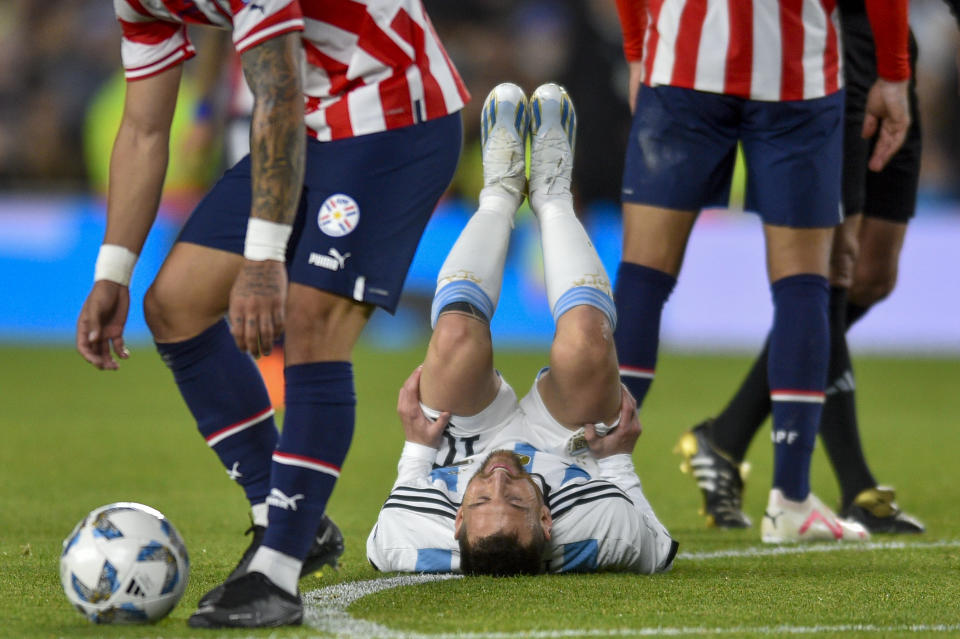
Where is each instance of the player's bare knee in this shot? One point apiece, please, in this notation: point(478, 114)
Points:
point(322, 327)
point(872, 286)
point(455, 337)
point(157, 311)
point(310, 319)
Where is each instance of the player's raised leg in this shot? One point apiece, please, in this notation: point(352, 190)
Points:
point(458, 375)
point(582, 385)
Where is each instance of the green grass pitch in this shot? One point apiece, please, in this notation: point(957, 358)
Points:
point(74, 438)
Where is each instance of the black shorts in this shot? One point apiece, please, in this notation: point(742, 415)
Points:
point(890, 194)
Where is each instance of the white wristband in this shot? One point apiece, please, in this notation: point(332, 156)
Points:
point(114, 263)
point(266, 240)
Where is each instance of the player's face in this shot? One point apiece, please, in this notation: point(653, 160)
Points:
point(503, 498)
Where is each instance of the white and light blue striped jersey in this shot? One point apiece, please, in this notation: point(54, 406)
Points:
point(601, 519)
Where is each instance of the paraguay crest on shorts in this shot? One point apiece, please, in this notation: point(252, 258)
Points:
point(339, 215)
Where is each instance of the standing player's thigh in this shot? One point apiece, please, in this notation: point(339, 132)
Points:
point(796, 251)
point(680, 158)
point(656, 237)
point(191, 292)
point(192, 289)
point(793, 152)
point(220, 219)
point(681, 150)
point(367, 202)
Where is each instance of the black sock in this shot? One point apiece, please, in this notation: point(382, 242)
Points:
point(735, 427)
point(854, 313)
point(838, 425)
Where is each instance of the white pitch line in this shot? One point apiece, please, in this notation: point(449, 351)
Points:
point(667, 632)
point(325, 609)
point(799, 549)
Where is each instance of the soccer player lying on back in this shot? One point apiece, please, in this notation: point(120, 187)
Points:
point(489, 484)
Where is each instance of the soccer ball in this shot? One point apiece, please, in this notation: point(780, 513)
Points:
point(124, 563)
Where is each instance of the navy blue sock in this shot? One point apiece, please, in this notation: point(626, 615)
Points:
point(799, 354)
point(640, 293)
point(317, 429)
point(225, 393)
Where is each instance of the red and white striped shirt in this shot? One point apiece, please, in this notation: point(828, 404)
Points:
point(371, 65)
point(759, 49)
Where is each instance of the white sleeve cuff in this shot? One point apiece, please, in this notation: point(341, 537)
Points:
point(616, 464)
point(412, 450)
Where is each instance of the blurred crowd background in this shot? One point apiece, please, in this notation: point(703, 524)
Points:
point(61, 97)
point(60, 87)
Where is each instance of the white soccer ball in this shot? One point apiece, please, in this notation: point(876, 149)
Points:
point(124, 563)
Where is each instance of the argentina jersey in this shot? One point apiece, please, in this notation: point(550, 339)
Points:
point(466, 436)
point(507, 421)
point(597, 525)
point(601, 519)
point(547, 469)
point(600, 524)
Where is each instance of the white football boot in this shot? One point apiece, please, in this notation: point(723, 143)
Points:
point(553, 131)
point(503, 137)
point(787, 521)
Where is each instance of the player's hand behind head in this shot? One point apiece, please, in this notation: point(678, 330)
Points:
point(416, 427)
point(623, 438)
point(100, 325)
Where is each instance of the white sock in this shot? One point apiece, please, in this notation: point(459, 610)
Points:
point(259, 514)
point(572, 269)
point(473, 270)
point(281, 569)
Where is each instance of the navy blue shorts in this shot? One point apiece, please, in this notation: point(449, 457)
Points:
point(683, 145)
point(365, 203)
